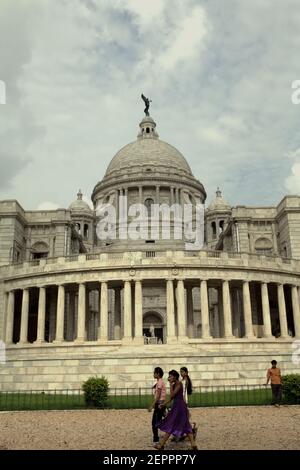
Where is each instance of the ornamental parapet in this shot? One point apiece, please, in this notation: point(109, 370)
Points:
point(181, 264)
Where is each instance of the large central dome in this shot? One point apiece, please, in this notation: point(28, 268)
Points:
point(146, 162)
point(143, 152)
point(148, 150)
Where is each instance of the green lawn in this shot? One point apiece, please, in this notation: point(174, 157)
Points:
point(71, 400)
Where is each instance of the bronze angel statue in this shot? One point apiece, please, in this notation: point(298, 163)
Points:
point(147, 104)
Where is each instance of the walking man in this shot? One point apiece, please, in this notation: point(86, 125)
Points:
point(274, 375)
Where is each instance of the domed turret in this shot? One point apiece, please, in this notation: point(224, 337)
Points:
point(218, 203)
point(217, 215)
point(79, 205)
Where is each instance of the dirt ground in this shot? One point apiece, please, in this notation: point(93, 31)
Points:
point(219, 428)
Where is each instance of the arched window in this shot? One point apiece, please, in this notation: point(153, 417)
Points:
point(213, 229)
point(148, 204)
point(263, 246)
point(39, 250)
point(78, 228)
point(147, 130)
point(221, 226)
point(86, 231)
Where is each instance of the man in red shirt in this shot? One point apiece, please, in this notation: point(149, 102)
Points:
point(274, 375)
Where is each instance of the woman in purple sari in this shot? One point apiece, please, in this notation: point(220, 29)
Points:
point(177, 420)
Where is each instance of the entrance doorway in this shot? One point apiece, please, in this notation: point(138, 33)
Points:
point(153, 328)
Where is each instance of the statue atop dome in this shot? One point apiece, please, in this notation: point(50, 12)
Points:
point(147, 104)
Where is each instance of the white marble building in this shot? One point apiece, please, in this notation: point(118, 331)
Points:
point(72, 305)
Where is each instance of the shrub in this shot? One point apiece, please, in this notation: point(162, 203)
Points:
point(291, 388)
point(96, 392)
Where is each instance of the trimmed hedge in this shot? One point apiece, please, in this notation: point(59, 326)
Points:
point(96, 392)
point(291, 388)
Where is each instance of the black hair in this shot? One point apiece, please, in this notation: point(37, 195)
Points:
point(159, 371)
point(273, 362)
point(174, 373)
point(189, 387)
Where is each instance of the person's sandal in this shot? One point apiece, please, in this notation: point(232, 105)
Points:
point(158, 446)
point(195, 431)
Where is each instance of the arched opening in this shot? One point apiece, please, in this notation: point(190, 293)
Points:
point(86, 231)
point(153, 328)
point(148, 204)
point(221, 226)
point(213, 229)
point(78, 227)
point(39, 250)
point(148, 130)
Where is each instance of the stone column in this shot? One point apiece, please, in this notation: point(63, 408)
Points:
point(296, 311)
point(204, 310)
point(81, 313)
point(138, 336)
point(247, 311)
point(282, 312)
point(10, 317)
point(172, 195)
point(266, 310)
point(41, 316)
point(117, 322)
point(177, 196)
point(127, 313)
point(227, 316)
point(181, 310)
point(24, 317)
point(170, 312)
point(103, 312)
point(141, 194)
point(190, 311)
point(60, 313)
point(220, 312)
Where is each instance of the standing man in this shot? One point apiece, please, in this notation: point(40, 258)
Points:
point(274, 375)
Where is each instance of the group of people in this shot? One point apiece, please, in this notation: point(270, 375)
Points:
point(177, 421)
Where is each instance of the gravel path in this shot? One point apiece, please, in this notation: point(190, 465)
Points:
point(219, 428)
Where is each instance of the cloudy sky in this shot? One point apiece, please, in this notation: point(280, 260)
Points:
point(219, 74)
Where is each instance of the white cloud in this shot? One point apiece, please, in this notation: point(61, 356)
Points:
point(292, 182)
point(145, 11)
point(186, 40)
point(47, 206)
point(219, 75)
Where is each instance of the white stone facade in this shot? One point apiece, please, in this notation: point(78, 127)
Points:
point(72, 306)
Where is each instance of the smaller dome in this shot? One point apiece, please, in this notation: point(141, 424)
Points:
point(218, 203)
point(79, 204)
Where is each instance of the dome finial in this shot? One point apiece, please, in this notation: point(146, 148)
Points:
point(79, 195)
point(147, 129)
point(218, 192)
